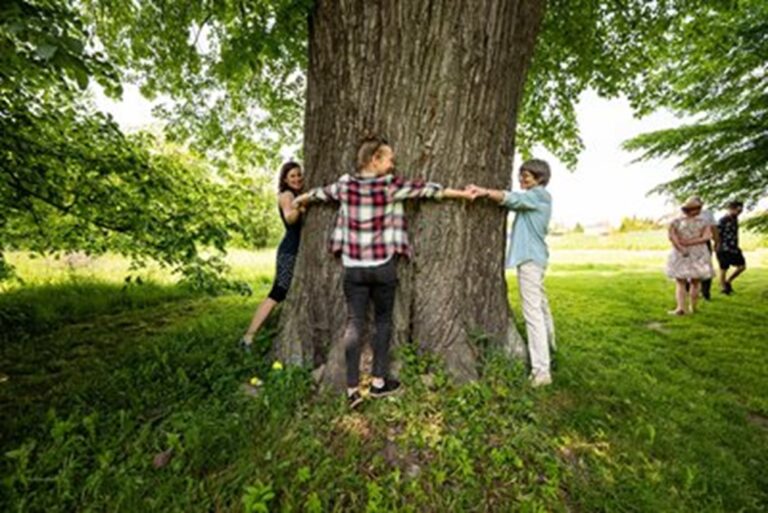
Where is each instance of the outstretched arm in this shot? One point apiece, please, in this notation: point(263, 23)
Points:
point(401, 189)
point(481, 192)
point(512, 200)
point(325, 193)
point(290, 213)
point(455, 194)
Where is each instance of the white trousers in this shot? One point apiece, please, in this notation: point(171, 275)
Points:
point(538, 318)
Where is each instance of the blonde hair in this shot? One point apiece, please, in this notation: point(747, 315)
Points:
point(367, 149)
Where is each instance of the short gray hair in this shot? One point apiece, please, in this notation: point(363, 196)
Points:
point(539, 169)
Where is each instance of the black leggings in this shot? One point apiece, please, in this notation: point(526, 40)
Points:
point(283, 276)
point(360, 285)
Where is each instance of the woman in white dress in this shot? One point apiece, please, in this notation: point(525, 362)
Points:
point(689, 261)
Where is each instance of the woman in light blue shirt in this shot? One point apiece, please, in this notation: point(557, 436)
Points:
point(528, 253)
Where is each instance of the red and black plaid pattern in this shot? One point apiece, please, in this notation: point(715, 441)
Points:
point(371, 224)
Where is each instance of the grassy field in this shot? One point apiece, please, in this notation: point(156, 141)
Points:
point(124, 397)
point(643, 241)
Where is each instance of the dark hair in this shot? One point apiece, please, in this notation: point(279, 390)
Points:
point(368, 148)
point(735, 204)
point(282, 186)
point(539, 169)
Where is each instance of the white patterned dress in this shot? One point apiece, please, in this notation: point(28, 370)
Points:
point(697, 264)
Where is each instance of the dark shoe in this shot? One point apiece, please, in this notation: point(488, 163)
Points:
point(391, 386)
point(727, 289)
point(706, 295)
point(245, 346)
point(354, 400)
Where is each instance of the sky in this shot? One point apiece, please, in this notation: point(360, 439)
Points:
point(605, 187)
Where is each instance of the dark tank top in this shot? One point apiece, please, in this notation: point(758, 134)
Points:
point(290, 242)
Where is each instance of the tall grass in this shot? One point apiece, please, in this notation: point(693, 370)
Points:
point(125, 397)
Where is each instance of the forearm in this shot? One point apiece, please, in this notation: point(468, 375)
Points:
point(679, 245)
point(453, 194)
point(694, 241)
point(417, 189)
point(516, 201)
point(301, 200)
point(316, 195)
point(493, 194)
point(330, 192)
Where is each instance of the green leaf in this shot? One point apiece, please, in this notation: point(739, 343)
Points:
point(76, 46)
point(81, 76)
point(46, 50)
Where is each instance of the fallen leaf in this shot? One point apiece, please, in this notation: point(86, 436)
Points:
point(162, 459)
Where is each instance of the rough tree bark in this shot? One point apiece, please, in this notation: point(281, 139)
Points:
point(442, 80)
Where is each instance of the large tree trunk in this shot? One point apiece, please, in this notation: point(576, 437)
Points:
point(442, 80)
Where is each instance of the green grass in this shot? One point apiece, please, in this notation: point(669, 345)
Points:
point(647, 413)
point(670, 411)
point(641, 240)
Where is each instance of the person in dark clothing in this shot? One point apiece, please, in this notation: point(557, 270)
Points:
point(729, 253)
point(291, 183)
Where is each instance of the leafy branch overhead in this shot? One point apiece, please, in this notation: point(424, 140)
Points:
point(236, 70)
point(71, 180)
point(723, 85)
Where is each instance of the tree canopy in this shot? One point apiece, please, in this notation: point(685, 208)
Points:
point(722, 83)
point(230, 78)
point(236, 70)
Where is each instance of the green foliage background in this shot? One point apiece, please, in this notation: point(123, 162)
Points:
point(229, 77)
point(722, 84)
point(73, 181)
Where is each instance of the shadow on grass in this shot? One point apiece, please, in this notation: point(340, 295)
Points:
point(38, 309)
point(75, 343)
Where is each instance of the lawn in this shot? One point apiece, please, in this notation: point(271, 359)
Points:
point(125, 397)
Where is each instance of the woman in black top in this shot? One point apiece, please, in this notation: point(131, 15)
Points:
point(291, 184)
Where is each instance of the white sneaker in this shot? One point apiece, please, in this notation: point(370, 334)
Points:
point(540, 380)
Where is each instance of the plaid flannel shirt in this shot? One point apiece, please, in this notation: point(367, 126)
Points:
point(370, 224)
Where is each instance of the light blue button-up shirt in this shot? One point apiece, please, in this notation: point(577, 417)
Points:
point(526, 242)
